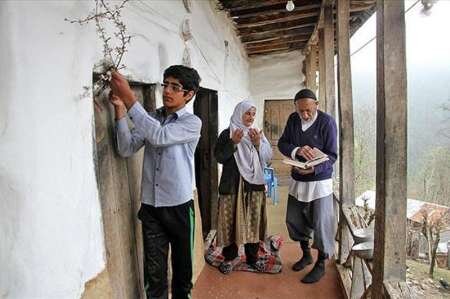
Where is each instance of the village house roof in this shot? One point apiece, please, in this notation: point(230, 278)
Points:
point(414, 210)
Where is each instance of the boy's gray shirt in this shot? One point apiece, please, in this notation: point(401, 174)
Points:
point(170, 142)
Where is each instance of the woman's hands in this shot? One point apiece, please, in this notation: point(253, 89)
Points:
point(255, 136)
point(237, 135)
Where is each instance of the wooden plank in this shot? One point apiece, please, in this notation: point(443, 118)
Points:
point(294, 46)
point(310, 68)
point(284, 37)
point(205, 107)
point(345, 278)
point(244, 6)
point(398, 290)
point(304, 25)
point(281, 8)
point(275, 43)
point(306, 69)
point(346, 142)
point(360, 280)
point(255, 22)
point(390, 217)
point(276, 113)
point(268, 10)
point(294, 34)
point(119, 189)
point(328, 38)
point(322, 95)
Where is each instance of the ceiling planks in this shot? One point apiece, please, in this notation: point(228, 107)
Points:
point(265, 26)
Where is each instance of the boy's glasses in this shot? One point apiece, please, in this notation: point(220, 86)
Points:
point(172, 87)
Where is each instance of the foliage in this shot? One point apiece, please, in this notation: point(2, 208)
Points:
point(115, 43)
point(433, 223)
point(365, 150)
point(434, 176)
point(102, 15)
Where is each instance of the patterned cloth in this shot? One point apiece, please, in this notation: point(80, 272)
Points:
point(242, 217)
point(269, 260)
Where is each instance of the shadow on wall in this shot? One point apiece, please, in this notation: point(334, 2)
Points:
point(163, 58)
point(11, 203)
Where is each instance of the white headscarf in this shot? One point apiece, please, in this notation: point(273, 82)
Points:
point(250, 166)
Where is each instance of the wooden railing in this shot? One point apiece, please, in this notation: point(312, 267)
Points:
point(355, 269)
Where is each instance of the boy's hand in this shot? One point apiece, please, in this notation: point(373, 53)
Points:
point(121, 89)
point(119, 106)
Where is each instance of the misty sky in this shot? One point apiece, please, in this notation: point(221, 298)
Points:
point(428, 67)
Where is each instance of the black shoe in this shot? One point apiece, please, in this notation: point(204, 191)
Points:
point(258, 266)
point(316, 273)
point(303, 262)
point(226, 267)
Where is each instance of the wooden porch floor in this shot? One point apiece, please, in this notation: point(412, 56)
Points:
point(211, 284)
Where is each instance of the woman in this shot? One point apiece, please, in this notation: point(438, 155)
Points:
point(244, 151)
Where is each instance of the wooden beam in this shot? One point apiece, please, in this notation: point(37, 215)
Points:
point(244, 6)
point(322, 95)
point(270, 33)
point(281, 8)
point(286, 37)
point(295, 46)
point(311, 68)
point(273, 28)
point(268, 10)
point(256, 22)
point(390, 212)
point(285, 42)
point(328, 38)
point(346, 142)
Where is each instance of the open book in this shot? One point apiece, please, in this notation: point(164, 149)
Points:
point(320, 157)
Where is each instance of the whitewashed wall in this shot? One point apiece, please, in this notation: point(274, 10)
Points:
point(51, 239)
point(275, 77)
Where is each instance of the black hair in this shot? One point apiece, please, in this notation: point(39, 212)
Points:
point(187, 76)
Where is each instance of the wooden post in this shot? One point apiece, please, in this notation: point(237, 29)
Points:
point(346, 147)
point(307, 69)
point(390, 218)
point(313, 68)
point(322, 93)
point(310, 68)
point(328, 43)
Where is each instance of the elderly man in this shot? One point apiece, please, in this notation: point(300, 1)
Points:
point(310, 202)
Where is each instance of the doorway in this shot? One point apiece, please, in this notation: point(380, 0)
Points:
point(119, 182)
point(206, 176)
point(276, 114)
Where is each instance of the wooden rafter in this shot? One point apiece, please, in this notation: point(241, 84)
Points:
point(281, 17)
point(269, 36)
point(279, 8)
point(272, 50)
point(277, 43)
point(265, 23)
point(276, 27)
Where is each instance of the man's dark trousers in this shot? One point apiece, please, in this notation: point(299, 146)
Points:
point(161, 226)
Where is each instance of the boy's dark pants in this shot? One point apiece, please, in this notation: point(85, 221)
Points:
point(161, 226)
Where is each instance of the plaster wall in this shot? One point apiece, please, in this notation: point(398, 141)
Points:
point(50, 216)
point(275, 77)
